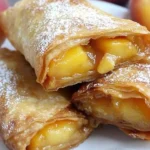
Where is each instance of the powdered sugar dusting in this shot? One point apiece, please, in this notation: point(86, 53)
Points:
point(64, 19)
point(132, 73)
point(7, 83)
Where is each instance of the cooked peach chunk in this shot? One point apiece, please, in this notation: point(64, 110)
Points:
point(59, 132)
point(102, 54)
point(132, 110)
point(102, 106)
point(107, 63)
point(77, 60)
point(121, 47)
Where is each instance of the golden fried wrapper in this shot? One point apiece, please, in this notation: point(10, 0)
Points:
point(31, 118)
point(121, 98)
point(68, 42)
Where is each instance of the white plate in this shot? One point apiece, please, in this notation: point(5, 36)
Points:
point(108, 137)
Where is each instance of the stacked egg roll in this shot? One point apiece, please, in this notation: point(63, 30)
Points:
point(30, 118)
point(68, 41)
point(121, 98)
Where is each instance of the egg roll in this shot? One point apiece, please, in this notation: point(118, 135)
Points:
point(69, 42)
point(121, 98)
point(32, 119)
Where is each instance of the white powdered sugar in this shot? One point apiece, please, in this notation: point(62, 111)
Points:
point(7, 83)
point(44, 28)
point(7, 86)
point(66, 18)
point(132, 73)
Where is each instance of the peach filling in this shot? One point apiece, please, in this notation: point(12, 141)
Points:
point(113, 51)
point(133, 111)
point(56, 134)
point(77, 60)
point(99, 55)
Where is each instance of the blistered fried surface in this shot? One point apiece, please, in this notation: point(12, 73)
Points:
point(25, 107)
point(134, 75)
point(123, 95)
point(54, 26)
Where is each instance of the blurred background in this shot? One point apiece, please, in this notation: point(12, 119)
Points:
point(119, 2)
point(11, 2)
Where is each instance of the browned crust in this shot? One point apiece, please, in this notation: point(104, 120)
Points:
point(128, 81)
point(25, 108)
point(25, 23)
point(137, 134)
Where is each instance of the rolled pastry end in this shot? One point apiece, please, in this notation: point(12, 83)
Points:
point(100, 56)
point(125, 113)
point(121, 98)
point(61, 134)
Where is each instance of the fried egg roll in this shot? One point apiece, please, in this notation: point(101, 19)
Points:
point(121, 98)
point(69, 41)
point(30, 118)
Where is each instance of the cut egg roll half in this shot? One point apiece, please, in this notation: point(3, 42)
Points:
point(69, 42)
point(32, 119)
point(121, 98)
